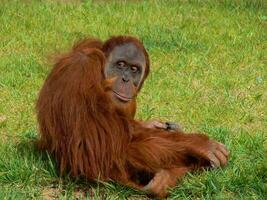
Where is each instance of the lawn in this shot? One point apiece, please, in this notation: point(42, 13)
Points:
point(208, 72)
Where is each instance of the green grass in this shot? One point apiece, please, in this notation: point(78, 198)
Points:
point(209, 73)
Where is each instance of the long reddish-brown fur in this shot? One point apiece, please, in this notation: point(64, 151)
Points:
point(91, 137)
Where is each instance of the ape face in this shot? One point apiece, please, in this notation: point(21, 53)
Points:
point(126, 66)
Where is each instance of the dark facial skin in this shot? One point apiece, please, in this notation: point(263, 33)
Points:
point(126, 63)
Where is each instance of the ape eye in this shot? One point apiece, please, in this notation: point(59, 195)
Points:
point(134, 69)
point(121, 64)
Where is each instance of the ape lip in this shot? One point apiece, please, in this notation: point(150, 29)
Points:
point(123, 98)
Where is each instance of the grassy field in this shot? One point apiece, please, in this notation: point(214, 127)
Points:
point(209, 73)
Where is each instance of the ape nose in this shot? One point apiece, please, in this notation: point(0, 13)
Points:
point(125, 76)
point(125, 79)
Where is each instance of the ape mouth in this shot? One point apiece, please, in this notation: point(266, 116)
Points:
point(121, 97)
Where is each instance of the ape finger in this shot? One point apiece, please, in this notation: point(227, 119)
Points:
point(159, 125)
point(214, 162)
point(221, 157)
point(223, 149)
point(172, 126)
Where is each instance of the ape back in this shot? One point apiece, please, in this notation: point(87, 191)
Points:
point(77, 121)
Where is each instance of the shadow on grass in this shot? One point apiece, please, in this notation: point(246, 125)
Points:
point(26, 166)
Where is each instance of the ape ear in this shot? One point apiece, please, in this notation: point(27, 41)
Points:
point(92, 61)
point(87, 43)
point(95, 59)
point(94, 54)
point(84, 66)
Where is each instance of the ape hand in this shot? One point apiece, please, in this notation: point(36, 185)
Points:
point(214, 152)
point(218, 154)
point(168, 126)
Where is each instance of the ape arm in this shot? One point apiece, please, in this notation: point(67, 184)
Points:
point(169, 156)
point(155, 149)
